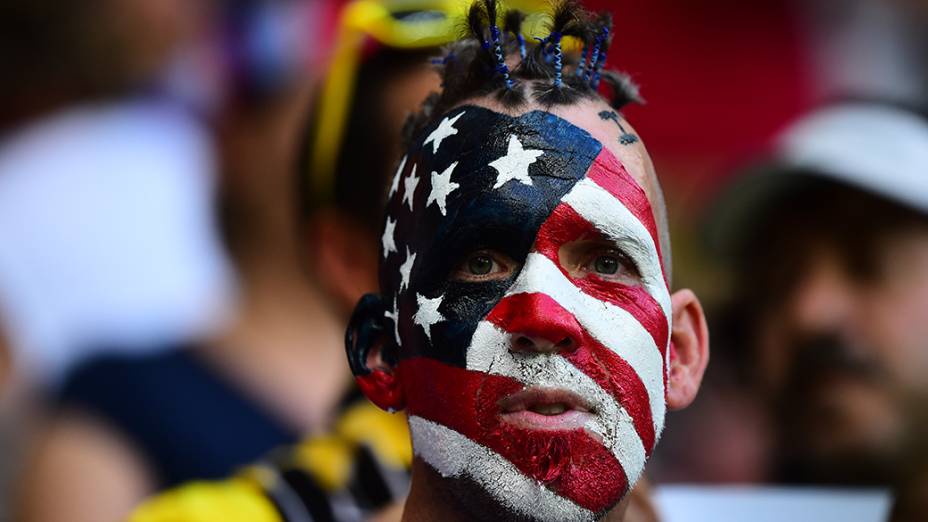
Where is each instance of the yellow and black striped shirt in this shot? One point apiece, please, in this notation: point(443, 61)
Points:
point(356, 470)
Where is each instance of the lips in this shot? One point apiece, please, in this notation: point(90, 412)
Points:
point(545, 409)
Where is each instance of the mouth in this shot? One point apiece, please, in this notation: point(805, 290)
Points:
point(545, 409)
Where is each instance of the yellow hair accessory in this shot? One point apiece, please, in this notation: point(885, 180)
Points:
point(399, 24)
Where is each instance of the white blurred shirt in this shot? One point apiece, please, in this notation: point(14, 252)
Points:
point(107, 233)
point(701, 503)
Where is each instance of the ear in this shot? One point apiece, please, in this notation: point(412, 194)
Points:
point(344, 257)
point(689, 349)
point(373, 354)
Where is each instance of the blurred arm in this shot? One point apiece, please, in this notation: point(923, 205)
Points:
point(82, 471)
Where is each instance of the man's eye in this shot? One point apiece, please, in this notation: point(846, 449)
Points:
point(606, 265)
point(480, 265)
point(484, 266)
point(610, 264)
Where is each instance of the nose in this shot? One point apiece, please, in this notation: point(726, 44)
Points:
point(527, 343)
point(826, 300)
point(537, 323)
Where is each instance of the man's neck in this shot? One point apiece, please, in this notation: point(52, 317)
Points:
point(429, 501)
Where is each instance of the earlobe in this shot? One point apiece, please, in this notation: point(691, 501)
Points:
point(372, 355)
point(689, 350)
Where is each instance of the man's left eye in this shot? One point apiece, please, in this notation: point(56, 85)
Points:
point(610, 264)
point(606, 264)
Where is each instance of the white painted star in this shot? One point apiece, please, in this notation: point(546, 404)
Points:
point(394, 315)
point(428, 313)
point(388, 240)
point(442, 186)
point(406, 269)
point(411, 182)
point(514, 165)
point(396, 177)
point(445, 130)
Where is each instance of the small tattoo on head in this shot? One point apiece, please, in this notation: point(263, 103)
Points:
point(626, 138)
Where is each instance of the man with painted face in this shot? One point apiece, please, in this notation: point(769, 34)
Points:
point(526, 323)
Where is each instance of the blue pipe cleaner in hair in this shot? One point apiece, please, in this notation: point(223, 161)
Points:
point(584, 57)
point(501, 66)
point(594, 56)
point(558, 58)
point(600, 61)
point(522, 51)
point(444, 60)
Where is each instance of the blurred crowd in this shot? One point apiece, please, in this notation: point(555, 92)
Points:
point(190, 203)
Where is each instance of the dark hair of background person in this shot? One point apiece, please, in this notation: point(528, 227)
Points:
point(823, 213)
point(53, 53)
point(38, 53)
point(369, 147)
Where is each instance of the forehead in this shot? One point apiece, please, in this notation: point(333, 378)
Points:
point(570, 137)
point(585, 115)
point(495, 167)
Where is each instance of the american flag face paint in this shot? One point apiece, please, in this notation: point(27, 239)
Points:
point(545, 384)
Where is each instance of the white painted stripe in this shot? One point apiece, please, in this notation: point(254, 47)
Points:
point(611, 217)
point(489, 353)
point(454, 455)
point(612, 326)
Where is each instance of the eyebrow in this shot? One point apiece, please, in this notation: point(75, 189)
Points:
point(612, 217)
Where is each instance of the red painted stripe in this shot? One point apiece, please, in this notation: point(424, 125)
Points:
point(571, 463)
point(566, 225)
point(539, 315)
point(610, 174)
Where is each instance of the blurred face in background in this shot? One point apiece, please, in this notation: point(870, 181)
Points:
point(842, 332)
point(390, 86)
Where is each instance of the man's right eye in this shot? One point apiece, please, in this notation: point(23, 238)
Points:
point(480, 265)
point(484, 266)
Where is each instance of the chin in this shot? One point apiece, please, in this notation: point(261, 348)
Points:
point(484, 485)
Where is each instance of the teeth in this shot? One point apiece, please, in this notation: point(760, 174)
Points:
point(550, 409)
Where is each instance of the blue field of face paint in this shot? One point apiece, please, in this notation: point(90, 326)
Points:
point(539, 158)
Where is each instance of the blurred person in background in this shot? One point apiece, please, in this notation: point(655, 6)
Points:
point(872, 48)
point(77, 117)
point(830, 245)
point(277, 371)
point(106, 216)
point(112, 205)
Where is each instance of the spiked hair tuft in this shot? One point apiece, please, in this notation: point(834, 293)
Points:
point(478, 64)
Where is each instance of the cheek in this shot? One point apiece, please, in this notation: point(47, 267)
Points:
point(896, 328)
